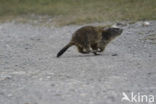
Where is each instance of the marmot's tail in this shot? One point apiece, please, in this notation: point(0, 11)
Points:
point(64, 49)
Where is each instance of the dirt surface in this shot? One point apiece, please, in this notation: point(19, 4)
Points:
point(30, 73)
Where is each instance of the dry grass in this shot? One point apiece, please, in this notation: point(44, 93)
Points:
point(65, 12)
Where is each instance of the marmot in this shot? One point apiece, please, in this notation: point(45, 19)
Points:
point(94, 37)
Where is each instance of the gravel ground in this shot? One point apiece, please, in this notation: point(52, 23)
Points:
point(30, 73)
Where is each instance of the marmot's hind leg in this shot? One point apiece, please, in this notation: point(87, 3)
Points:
point(82, 50)
point(95, 48)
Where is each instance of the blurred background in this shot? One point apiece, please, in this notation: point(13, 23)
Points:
point(66, 12)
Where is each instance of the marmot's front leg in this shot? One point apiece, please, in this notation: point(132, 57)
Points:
point(94, 48)
point(101, 49)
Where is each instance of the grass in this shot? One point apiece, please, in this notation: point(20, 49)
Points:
point(66, 12)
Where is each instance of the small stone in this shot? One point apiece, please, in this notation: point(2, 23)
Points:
point(57, 94)
point(114, 54)
point(48, 77)
point(9, 95)
point(52, 84)
point(38, 39)
point(149, 73)
point(40, 79)
point(150, 55)
point(146, 23)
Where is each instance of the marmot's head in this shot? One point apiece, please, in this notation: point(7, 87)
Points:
point(111, 33)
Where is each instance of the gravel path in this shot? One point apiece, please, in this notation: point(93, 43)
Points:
point(30, 73)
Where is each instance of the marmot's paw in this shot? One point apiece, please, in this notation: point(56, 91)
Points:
point(95, 52)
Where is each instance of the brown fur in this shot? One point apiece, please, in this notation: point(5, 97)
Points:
point(91, 37)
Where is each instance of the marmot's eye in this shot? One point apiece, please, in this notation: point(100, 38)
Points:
point(117, 29)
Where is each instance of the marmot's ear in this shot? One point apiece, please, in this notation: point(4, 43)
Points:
point(105, 28)
point(114, 26)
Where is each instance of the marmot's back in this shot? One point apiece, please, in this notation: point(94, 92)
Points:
point(86, 34)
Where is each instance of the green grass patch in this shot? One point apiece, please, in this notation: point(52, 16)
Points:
point(65, 12)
